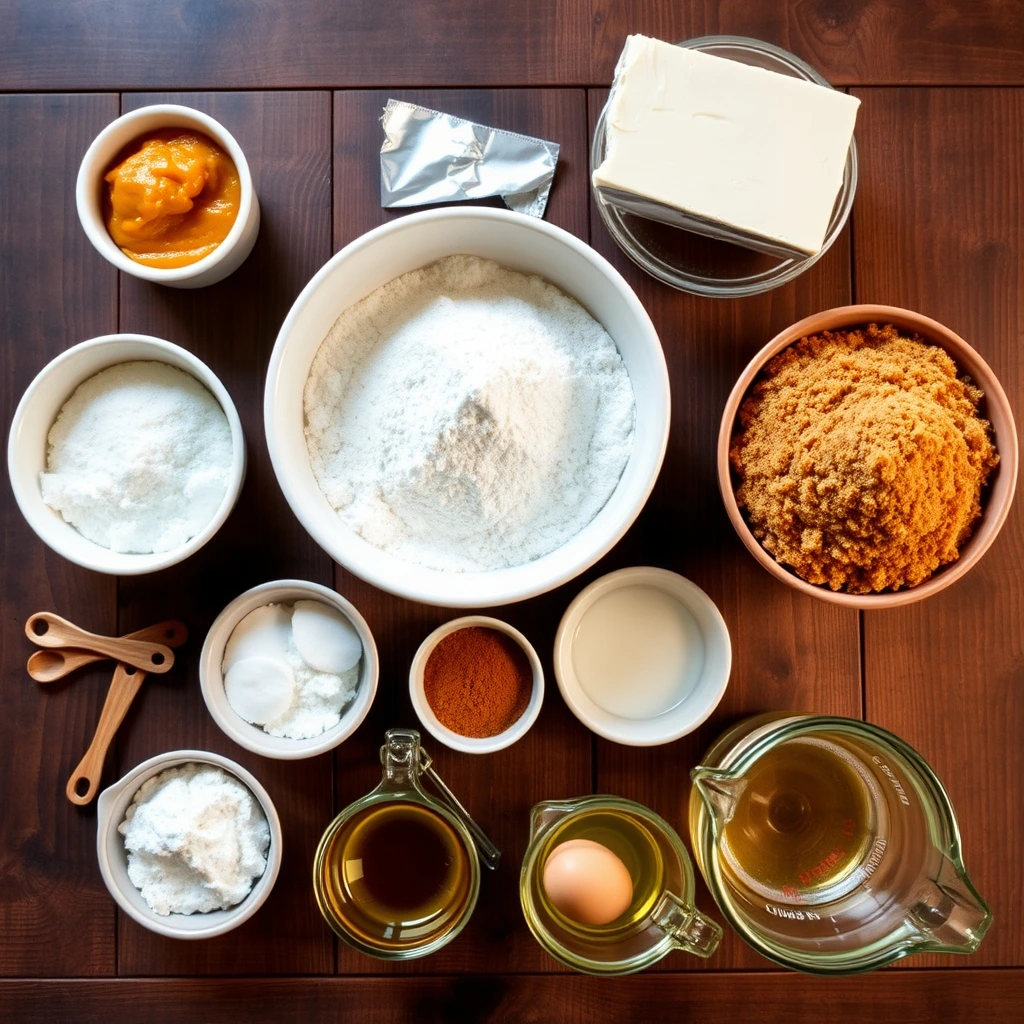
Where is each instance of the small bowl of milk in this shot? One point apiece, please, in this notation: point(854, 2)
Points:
point(642, 656)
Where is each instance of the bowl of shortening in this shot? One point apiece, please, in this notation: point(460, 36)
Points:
point(164, 193)
point(467, 407)
point(642, 656)
point(126, 454)
point(189, 844)
point(476, 684)
point(867, 456)
point(289, 669)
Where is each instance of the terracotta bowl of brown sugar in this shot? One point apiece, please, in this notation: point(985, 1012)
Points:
point(996, 494)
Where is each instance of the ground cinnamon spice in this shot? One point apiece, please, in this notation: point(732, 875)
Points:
point(477, 681)
point(861, 459)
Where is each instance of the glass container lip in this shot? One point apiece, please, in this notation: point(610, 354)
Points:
point(754, 284)
point(614, 967)
point(411, 795)
point(880, 953)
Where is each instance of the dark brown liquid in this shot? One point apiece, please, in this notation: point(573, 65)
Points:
point(396, 876)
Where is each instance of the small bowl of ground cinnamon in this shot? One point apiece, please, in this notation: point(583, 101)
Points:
point(867, 456)
point(476, 684)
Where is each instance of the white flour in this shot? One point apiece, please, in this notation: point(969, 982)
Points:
point(467, 417)
point(139, 457)
point(197, 840)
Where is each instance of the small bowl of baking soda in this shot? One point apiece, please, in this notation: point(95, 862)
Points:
point(476, 684)
point(126, 454)
point(289, 669)
point(163, 863)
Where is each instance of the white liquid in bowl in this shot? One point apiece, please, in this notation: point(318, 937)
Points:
point(637, 652)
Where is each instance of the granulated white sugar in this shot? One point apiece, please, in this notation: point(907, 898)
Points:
point(197, 840)
point(139, 458)
point(468, 417)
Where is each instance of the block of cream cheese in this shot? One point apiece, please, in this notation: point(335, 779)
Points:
point(723, 148)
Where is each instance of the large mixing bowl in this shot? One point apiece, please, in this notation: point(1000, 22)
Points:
point(520, 243)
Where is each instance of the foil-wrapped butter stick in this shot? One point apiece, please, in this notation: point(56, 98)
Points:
point(432, 157)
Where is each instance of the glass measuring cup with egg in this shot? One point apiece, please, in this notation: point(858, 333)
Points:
point(607, 887)
point(397, 873)
point(831, 846)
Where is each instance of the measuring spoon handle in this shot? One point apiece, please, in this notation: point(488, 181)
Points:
point(85, 779)
point(50, 630)
point(47, 666)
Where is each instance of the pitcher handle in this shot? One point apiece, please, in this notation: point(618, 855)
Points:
point(688, 928)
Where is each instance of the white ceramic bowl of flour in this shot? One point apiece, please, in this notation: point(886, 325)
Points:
point(111, 808)
point(254, 737)
point(521, 244)
point(36, 413)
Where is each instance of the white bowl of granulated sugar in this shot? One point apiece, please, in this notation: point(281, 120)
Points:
point(126, 454)
point(162, 862)
point(467, 407)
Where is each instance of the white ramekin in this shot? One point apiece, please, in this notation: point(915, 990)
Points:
point(36, 413)
point(227, 257)
point(111, 808)
point(695, 708)
point(470, 744)
point(211, 677)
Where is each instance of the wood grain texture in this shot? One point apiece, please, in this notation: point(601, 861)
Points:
point(232, 326)
point(866, 42)
point(938, 224)
point(54, 292)
point(235, 44)
point(909, 997)
point(554, 759)
point(239, 44)
point(789, 651)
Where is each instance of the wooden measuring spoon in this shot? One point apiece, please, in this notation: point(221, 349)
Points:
point(47, 666)
point(49, 630)
point(85, 779)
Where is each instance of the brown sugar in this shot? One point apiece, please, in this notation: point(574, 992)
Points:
point(861, 459)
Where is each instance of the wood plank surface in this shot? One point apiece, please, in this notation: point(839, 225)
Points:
point(938, 224)
point(55, 291)
point(865, 42)
point(232, 327)
point(937, 997)
point(789, 651)
point(234, 44)
point(553, 760)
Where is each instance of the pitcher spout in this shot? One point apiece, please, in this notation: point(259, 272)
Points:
point(720, 792)
point(547, 813)
point(948, 913)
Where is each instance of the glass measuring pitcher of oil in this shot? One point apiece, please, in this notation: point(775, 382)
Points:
point(831, 846)
point(397, 873)
point(660, 916)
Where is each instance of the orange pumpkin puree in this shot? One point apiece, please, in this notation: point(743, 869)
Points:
point(173, 197)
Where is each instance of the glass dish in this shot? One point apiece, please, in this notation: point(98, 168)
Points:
point(707, 266)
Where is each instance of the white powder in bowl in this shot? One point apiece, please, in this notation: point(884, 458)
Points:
point(467, 417)
point(197, 840)
point(139, 458)
point(261, 643)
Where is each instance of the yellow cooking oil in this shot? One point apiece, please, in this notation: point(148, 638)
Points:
point(633, 843)
point(802, 823)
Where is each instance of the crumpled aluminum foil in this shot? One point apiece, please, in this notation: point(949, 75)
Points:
point(432, 157)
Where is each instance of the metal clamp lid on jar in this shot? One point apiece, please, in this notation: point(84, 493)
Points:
point(404, 761)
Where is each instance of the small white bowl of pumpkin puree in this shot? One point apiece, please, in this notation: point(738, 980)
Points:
point(164, 193)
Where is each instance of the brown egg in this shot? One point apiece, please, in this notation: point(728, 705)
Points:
point(586, 882)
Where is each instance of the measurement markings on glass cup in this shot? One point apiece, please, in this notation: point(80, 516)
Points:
point(893, 779)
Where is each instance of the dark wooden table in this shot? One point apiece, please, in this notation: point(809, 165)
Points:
point(937, 227)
